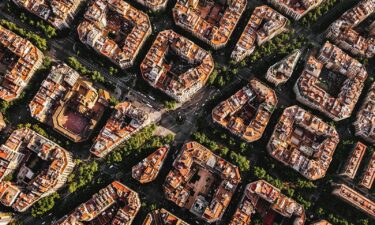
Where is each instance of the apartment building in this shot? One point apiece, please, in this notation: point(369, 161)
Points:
point(162, 217)
point(116, 30)
point(280, 72)
point(5, 218)
point(148, 169)
point(196, 172)
point(59, 13)
point(69, 103)
point(369, 174)
point(161, 68)
point(262, 197)
point(124, 122)
point(264, 24)
point(343, 31)
point(303, 142)
point(295, 9)
point(59, 82)
point(154, 5)
point(19, 59)
point(115, 204)
point(352, 165)
point(247, 112)
point(2, 122)
point(355, 199)
point(210, 21)
point(22, 145)
point(365, 120)
point(311, 92)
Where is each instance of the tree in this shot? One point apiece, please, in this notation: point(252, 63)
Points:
point(4, 106)
point(113, 101)
point(170, 105)
point(220, 81)
point(44, 205)
point(112, 70)
point(212, 77)
point(84, 174)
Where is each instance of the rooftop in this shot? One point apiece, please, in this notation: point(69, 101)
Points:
point(264, 24)
point(59, 13)
point(211, 21)
point(354, 198)
point(2, 122)
point(321, 222)
point(116, 197)
point(247, 112)
point(343, 31)
point(15, 153)
point(303, 142)
point(19, 60)
point(311, 89)
point(201, 182)
point(176, 66)
point(352, 165)
point(280, 72)
point(260, 191)
point(125, 121)
point(148, 169)
point(369, 173)
point(59, 82)
point(6, 218)
point(154, 5)
point(296, 8)
point(365, 120)
point(69, 103)
point(115, 29)
point(162, 217)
